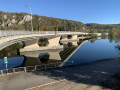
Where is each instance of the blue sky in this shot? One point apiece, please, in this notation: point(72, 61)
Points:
point(86, 11)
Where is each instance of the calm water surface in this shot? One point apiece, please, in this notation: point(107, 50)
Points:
point(90, 51)
point(98, 50)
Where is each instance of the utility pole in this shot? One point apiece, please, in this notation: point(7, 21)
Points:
point(31, 16)
point(31, 19)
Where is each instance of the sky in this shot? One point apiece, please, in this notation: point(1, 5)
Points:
point(86, 11)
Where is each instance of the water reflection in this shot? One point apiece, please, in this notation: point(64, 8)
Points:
point(11, 51)
point(12, 62)
point(99, 50)
point(32, 58)
point(93, 50)
point(114, 39)
point(53, 54)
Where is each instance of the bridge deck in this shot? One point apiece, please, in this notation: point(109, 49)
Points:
point(8, 37)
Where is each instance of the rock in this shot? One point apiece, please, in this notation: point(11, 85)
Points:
point(27, 18)
point(8, 21)
point(14, 16)
point(21, 22)
point(9, 24)
point(13, 21)
point(5, 17)
point(3, 24)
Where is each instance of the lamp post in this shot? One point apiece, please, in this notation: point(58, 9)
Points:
point(31, 17)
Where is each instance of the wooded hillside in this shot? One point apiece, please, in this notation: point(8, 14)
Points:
point(22, 21)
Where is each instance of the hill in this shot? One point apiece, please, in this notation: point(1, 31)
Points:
point(22, 21)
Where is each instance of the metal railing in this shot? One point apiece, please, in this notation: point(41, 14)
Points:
point(30, 68)
point(6, 33)
point(34, 68)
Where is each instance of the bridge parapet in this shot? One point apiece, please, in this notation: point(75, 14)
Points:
point(6, 33)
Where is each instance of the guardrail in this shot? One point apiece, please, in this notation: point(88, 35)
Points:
point(6, 33)
point(30, 68)
point(33, 68)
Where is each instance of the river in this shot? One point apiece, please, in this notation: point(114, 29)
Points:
point(90, 51)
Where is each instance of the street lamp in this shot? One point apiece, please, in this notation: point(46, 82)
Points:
point(31, 17)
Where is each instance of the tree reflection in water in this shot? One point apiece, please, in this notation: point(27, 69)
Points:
point(12, 50)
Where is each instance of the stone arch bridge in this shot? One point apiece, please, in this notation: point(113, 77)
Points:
point(8, 37)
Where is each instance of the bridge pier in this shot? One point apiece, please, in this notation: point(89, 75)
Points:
point(74, 43)
point(73, 38)
point(54, 55)
point(53, 44)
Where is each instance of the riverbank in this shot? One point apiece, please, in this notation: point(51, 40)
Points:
point(93, 76)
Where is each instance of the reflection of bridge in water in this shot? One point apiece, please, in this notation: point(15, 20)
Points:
point(80, 44)
point(54, 54)
point(32, 57)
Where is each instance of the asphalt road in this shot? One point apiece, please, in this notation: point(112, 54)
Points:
point(93, 76)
